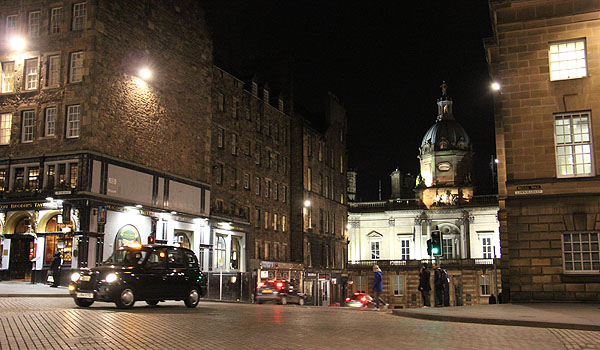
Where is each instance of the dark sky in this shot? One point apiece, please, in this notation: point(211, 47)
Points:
point(385, 60)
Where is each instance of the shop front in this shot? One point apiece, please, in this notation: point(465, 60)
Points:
point(325, 288)
point(273, 270)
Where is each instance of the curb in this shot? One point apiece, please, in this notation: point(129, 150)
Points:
point(15, 295)
point(496, 321)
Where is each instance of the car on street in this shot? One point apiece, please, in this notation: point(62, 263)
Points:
point(150, 273)
point(279, 291)
point(360, 300)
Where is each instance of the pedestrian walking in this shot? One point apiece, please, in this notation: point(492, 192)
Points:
point(377, 286)
point(439, 281)
point(54, 269)
point(424, 285)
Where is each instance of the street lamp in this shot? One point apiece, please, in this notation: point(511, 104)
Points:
point(17, 43)
point(496, 86)
point(307, 203)
point(145, 73)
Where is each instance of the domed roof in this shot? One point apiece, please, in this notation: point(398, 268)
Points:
point(448, 129)
point(446, 133)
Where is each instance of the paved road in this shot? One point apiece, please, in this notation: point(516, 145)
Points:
point(56, 323)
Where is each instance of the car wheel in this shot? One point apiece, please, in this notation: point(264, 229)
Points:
point(126, 299)
point(84, 302)
point(283, 301)
point(301, 301)
point(193, 297)
point(152, 302)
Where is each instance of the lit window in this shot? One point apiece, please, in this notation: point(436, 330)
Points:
point(33, 177)
point(405, 249)
point(55, 20)
point(309, 179)
point(448, 248)
point(486, 246)
point(374, 250)
point(50, 121)
point(73, 174)
point(53, 70)
point(76, 67)
point(34, 24)
point(73, 117)
point(11, 24)
point(283, 223)
point(5, 126)
point(484, 284)
point(31, 74)
point(220, 137)
point(398, 285)
point(247, 181)
point(28, 126)
point(573, 144)
point(8, 76)
point(79, 16)
point(581, 252)
point(567, 60)
point(275, 217)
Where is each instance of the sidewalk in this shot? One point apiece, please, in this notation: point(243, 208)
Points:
point(26, 289)
point(546, 315)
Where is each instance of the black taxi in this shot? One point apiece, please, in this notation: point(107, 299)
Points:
point(150, 273)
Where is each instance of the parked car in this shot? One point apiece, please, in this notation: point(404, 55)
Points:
point(151, 273)
point(279, 291)
point(360, 300)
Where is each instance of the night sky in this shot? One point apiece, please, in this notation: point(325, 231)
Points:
point(385, 61)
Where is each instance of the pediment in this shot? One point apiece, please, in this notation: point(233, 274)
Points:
point(374, 234)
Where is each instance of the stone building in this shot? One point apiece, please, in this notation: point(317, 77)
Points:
point(96, 153)
point(250, 202)
point(319, 202)
point(394, 233)
point(544, 55)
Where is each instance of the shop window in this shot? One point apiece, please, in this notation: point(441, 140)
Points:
point(220, 252)
point(234, 261)
point(182, 239)
point(126, 235)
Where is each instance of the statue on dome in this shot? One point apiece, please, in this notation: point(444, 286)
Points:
point(444, 87)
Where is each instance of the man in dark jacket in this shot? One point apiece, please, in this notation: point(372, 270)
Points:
point(439, 283)
point(54, 269)
point(377, 286)
point(424, 285)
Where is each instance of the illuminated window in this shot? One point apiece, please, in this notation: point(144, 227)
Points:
point(581, 252)
point(8, 76)
point(484, 284)
point(76, 67)
point(11, 24)
point(28, 126)
point(375, 250)
point(486, 247)
point(53, 70)
point(3, 178)
point(309, 179)
point(73, 117)
point(247, 181)
point(275, 219)
point(79, 16)
point(567, 60)
point(405, 249)
point(31, 74)
point(55, 20)
point(267, 218)
point(33, 177)
point(5, 126)
point(573, 144)
point(34, 24)
point(73, 174)
point(283, 223)
point(398, 285)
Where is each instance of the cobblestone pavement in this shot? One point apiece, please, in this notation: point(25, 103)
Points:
point(56, 323)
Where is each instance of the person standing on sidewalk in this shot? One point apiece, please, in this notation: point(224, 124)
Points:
point(377, 286)
point(438, 282)
point(54, 269)
point(424, 285)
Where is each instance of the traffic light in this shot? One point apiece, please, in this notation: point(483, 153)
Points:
point(436, 243)
point(150, 239)
point(429, 247)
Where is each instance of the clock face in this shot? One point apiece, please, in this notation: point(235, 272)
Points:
point(444, 166)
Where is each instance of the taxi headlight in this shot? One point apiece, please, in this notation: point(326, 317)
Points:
point(75, 277)
point(111, 277)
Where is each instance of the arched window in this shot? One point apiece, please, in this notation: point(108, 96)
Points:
point(220, 250)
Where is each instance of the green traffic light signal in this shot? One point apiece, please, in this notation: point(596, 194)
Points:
point(435, 251)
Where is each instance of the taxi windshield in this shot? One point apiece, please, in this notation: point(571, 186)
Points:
point(127, 257)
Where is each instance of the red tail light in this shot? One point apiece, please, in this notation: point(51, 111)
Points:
point(363, 299)
point(279, 285)
point(347, 299)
